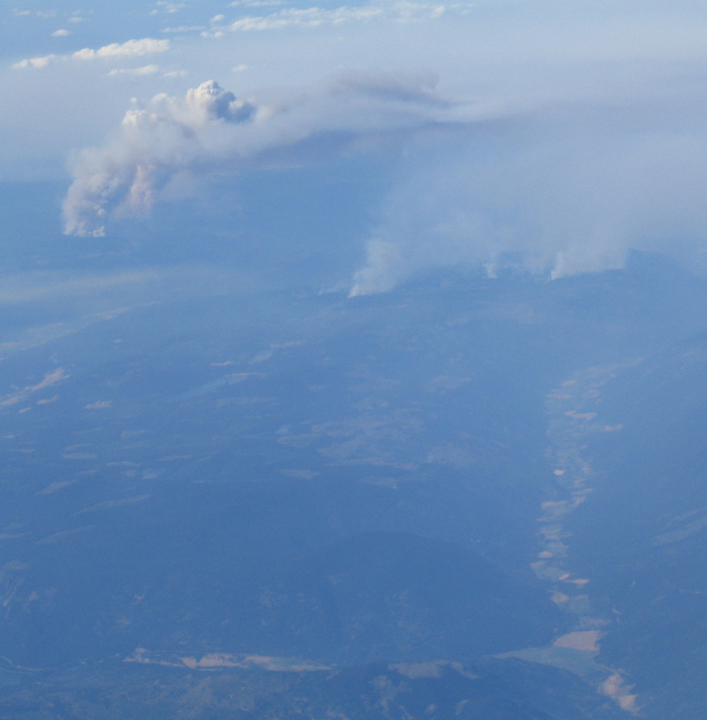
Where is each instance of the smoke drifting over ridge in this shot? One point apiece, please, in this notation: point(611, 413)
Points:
point(550, 194)
point(552, 188)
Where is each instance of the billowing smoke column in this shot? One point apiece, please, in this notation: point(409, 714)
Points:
point(153, 145)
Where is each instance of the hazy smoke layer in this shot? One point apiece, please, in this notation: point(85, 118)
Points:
point(555, 189)
point(210, 130)
point(549, 196)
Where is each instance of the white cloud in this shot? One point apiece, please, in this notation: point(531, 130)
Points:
point(144, 70)
point(129, 49)
point(42, 14)
point(256, 3)
point(182, 29)
point(308, 17)
point(37, 62)
point(168, 7)
point(240, 68)
point(61, 33)
point(402, 11)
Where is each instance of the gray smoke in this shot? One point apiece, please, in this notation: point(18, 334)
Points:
point(154, 144)
point(210, 130)
point(554, 188)
point(550, 196)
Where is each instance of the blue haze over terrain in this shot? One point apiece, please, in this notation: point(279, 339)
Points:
point(351, 360)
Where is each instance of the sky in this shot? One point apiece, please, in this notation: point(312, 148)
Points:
point(549, 137)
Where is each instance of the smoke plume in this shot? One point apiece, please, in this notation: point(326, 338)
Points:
point(211, 130)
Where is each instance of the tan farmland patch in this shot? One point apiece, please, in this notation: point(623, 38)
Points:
point(583, 640)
